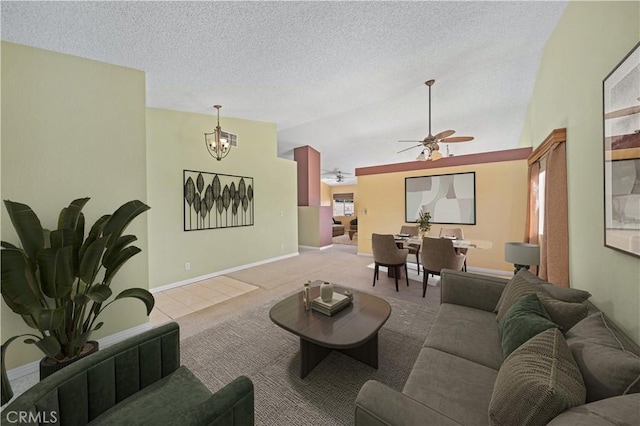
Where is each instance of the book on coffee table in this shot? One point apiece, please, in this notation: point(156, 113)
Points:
point(339, 302)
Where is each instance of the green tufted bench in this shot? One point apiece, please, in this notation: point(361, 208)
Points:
point(135, 382)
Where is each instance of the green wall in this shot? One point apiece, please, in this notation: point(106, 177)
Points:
point(71, 128)
point(588, 42)
point(175, 142)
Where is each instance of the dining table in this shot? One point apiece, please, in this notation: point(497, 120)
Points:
point(460, 245)
point(457, 244)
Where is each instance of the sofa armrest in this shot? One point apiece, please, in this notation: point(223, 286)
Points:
point(103, 379)
point(233, 405)
point(378, 404)
point(472, 290)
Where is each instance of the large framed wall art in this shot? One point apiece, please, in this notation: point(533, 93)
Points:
point(450, 199)
point(621, 107)
point(214, 200)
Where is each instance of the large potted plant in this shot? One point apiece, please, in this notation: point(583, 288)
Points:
point(59, 281)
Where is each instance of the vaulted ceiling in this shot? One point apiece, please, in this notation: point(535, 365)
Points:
point(344, 77)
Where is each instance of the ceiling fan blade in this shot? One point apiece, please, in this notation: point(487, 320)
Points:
point(407, 149)
point(414, 141)
point(444, 134)
point(457, 139)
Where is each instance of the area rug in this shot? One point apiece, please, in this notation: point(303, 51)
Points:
point(344, 239)
point(412, 268)
point(252, 345)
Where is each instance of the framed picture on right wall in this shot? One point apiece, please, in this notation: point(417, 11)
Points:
point(621, 107)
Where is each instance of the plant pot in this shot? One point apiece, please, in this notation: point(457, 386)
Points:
point(48, 365)
point(7, 392)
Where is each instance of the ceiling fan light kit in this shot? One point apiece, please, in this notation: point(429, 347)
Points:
point(430, 147)
point(339, 175)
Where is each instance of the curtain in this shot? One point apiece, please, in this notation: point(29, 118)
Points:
point(547, 221)
point(554, 255)
point(344, 196)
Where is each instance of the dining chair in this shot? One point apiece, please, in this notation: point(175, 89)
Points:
point(438, 254)
point(458, 235)
point(412, 231)
point(386, 253)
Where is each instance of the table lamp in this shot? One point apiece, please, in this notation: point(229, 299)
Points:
point(522, 255)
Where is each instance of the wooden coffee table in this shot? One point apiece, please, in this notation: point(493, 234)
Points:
point(352, 331)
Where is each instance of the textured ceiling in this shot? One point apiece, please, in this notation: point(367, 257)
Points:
point(344, 77)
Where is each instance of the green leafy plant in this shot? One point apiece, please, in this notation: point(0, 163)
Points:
point(424, 221)
point(59, 281)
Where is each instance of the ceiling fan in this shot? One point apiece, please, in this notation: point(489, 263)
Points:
point(340, 176)
point(429, 144)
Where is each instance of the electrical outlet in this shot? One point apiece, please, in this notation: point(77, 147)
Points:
point(187, 266)
point(281, 247)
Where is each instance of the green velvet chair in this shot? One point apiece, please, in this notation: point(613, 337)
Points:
point(135, 382)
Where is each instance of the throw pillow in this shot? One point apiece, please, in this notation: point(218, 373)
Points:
point(538, 381)
point(524, 319)
point(571, 295)
point(608, 367)
point(565, 314)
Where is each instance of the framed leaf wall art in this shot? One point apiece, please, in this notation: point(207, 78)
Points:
point(215, 200)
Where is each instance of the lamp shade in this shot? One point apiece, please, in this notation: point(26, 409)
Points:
point(522, 253)
point(435, 155)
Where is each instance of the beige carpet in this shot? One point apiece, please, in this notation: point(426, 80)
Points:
point(339, 265)
point(253, 346)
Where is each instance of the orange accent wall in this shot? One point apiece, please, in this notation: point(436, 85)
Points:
point(501, 198)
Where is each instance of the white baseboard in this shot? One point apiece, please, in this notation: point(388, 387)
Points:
point(218, 273)
point(316, 248)
point(105, 342)
point(485, 271)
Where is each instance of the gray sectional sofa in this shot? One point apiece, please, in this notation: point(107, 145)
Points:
point(461, 376)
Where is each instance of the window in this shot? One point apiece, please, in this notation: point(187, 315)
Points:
point(343, 204)
point(541, 197)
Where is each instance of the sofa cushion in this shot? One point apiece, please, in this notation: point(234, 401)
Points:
point(458, 388)
point(467, 332)
point(565, 314)
point(565, 294)
point(620, 410)
point(524, 319)
point(162, 402)
point(538, 381)
point(608, 368)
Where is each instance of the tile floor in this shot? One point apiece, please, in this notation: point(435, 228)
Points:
point(181, 301)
